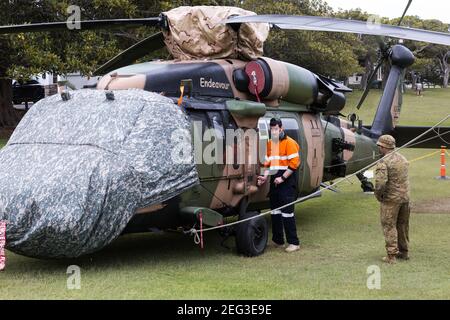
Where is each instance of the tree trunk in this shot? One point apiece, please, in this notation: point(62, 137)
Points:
point(414, 80)
point(368, 70)
point(9, 117)
point(446, 77)
point(445, 68)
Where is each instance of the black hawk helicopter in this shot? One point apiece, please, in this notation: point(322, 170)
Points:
point(220, 79)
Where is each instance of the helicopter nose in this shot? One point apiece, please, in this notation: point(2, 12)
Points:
point(66, 203)
point(74, 172)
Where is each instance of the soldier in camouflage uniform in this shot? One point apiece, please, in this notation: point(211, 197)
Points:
point(392, 190)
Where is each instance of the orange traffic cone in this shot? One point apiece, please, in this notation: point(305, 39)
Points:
point(443, 175)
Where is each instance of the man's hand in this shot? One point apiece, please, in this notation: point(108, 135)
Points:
point(278, 181)
point(261, 180)
point(379, 196)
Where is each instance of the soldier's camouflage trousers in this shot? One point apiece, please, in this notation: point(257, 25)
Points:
point(395, 224)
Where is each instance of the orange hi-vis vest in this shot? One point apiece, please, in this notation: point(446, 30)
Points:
point(282, 155)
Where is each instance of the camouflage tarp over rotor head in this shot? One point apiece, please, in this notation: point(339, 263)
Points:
point(199, 32)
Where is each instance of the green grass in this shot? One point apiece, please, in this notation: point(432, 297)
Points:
point(421, 111)
point(340, 234)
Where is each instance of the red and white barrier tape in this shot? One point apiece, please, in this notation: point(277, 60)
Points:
point(2, 245)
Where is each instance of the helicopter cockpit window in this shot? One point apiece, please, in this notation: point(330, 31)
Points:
point(199, 120)
point(216, 136)
point(263, 130)
point(291, 128)
point(217, 124)
point(264, 135)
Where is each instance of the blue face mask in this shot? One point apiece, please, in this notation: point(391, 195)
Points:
point(280, 137)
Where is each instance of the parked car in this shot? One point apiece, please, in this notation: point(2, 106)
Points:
point(28, 91)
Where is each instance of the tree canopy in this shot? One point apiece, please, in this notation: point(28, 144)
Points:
point(336, 55)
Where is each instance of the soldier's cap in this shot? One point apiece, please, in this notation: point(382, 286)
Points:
point(386, 141)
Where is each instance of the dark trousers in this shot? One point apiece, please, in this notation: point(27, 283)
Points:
point(284, 218)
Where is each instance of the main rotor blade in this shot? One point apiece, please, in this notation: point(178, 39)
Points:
point(369, 82)
point(128, 56)
point(80, 25)
point(404, 12)
point(315, 23)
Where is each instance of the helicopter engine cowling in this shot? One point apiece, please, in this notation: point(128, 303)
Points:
point(269, 79)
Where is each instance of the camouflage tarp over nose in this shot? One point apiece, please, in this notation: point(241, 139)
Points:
point(74, 172)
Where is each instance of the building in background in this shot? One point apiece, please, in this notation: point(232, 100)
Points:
point(26, 92)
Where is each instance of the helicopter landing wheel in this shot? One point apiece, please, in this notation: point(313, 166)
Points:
point(252, 235)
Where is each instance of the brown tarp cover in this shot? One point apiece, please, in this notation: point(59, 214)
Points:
point(197, 32)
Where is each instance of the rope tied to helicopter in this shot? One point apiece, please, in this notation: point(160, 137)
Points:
point(195, 232)
point(370, 157)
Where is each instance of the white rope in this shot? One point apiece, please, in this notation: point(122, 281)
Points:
point(438, 135)
point(195, 232)
point(441, 135)
point(196, 238)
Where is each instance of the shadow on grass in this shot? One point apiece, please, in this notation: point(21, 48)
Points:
point(133, 251)
point(147, 250)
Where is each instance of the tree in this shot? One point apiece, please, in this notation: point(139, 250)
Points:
point(10, 12)
point(26, 55)
point(441, 56)
point(367, 48)
point(423, 69)
point(326, 53)
point(437, 55)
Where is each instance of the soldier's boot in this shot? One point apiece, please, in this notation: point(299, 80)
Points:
point(390, 258)
point(402, 255)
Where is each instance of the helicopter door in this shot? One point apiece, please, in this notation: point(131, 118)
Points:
point(314, 136)
point(199, 126)
point(234, 167)
point(242, 158)
point(237, 176)
point(223, 151)
point(291, 128)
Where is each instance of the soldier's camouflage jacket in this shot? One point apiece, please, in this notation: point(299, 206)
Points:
point(391, 179)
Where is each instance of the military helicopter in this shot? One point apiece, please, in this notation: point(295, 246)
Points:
point(227, 83)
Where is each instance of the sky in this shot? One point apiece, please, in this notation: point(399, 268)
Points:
point(425, 9)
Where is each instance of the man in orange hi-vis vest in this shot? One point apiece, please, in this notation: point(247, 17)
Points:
point(282, 161)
